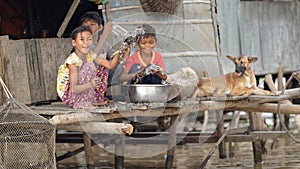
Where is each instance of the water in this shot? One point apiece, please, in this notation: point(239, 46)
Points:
point(282, 154)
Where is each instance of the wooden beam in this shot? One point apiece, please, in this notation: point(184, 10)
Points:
point(155, 22)
point(252, 103)
point(67, 18)
point(98, 127)
point(271, 108)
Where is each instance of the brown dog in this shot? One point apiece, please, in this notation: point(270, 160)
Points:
point(242, 82)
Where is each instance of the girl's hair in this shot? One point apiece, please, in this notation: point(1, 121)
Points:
point(149, 31)
point(91, 15)
point(78, 30)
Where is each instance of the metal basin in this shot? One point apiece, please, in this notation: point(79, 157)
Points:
point(147, 93)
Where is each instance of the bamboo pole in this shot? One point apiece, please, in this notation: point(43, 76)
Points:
point(67, 18)
point(296, 75)
point(269, 81)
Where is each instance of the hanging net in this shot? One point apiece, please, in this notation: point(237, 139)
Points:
point(27, 140)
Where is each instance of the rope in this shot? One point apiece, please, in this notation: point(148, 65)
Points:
point(279, 113)
point(283, 125)
point(212, 150)
point(7, 92)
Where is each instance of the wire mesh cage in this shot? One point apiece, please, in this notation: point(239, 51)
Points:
point(27, 140)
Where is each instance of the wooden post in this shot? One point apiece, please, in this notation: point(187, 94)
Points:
point(171, 142)
point(67, 18)
point(232, 144)
point(119, 152)
point(88, 151)
point(220, 130)
point(216, 33)
point(284, 117)
point(256, 121)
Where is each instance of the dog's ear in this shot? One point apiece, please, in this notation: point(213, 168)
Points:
point(230, 57)
point(252, 59)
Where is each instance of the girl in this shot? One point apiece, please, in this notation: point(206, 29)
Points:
point(94, 21)
point(77, 81)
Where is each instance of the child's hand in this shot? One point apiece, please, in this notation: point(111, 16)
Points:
point(107, 29)
point(126, 51)
point(96, 82)
point(139, 74)
point(154, 71)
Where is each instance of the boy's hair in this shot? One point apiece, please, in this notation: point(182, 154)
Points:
point(91, 15)
point(149, 31)
point(79, 29)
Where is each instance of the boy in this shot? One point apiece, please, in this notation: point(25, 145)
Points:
point(145, 56)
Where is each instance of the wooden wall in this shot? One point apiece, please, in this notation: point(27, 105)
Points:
point(29, 67)
point(269, 30)
point(185, 38)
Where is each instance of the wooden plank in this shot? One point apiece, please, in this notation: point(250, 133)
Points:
point(7, 64)
point(52, 53)
point(63, 47)
point(96, 127)
point(35, 70)
point(1, 56)
point(48, 66)
point(272, 108)
point(19, 85)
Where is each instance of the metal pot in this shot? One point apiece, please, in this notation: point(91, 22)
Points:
point(147, 93)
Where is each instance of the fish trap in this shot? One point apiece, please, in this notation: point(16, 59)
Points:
point(27, 140)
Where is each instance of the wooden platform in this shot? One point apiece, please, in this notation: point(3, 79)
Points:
point(84, 121)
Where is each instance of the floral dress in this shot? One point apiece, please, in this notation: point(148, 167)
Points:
point(86, 72)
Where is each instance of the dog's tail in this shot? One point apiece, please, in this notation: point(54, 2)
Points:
point(201, 80)
point(197, 90)
point(195, 93)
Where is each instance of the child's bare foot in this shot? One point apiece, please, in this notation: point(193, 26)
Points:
point(101, 103)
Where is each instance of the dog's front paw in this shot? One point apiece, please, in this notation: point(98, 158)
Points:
point(276, 93)
point(229, 95)
point(244, 94)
